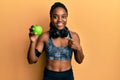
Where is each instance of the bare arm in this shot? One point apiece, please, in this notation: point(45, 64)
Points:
point(78, 52)
point(36, 42)
point(32, 58)
point(79, 56)
point(75, 44)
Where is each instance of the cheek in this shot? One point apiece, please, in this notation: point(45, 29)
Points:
point(53, 20)
point(65, 21)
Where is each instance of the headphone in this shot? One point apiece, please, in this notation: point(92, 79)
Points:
point(55, 33)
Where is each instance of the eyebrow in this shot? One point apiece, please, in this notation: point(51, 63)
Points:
point(62, 14)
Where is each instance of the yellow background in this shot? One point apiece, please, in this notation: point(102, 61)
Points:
point(96, 21)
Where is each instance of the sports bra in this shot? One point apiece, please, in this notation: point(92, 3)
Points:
point(58, 53)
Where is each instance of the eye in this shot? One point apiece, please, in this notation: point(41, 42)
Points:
point(55, 17)
point(64, 16)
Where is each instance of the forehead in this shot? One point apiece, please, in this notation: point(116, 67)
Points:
point(59, 11)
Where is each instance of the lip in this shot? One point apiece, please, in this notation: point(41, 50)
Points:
point(60, 24)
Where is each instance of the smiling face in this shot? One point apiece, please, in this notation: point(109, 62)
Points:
point(59, 18)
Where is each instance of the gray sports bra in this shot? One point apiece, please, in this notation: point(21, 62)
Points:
point(58, 53)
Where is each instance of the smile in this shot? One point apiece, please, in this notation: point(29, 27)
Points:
point(60, 24)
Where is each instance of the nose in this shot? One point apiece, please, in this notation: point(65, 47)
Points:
point(59, 19)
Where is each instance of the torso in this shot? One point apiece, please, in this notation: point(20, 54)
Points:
point(58, 65)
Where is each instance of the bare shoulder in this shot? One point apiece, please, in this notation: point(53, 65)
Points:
point(74, 35)
point(44, 36)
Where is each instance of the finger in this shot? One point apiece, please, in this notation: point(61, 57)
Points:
point(32, 34)
point(32, 26)
point(69, 39)
point(70, 43)
point(31, 29)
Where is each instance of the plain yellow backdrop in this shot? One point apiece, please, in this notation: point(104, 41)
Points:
point(96, 21)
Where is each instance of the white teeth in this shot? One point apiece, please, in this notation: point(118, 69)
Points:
point(60, 24)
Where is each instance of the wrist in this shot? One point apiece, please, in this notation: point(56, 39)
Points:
point(32, 41)
point(78, 48)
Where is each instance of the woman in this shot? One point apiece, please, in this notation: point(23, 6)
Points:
point(58, 43)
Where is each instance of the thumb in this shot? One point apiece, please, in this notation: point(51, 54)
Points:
point(69, 40)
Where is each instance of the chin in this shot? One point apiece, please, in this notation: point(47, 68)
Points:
point(60, 27)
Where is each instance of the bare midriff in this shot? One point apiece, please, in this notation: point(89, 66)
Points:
point(58, 65)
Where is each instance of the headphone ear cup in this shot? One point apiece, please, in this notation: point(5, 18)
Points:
point(54, 33)
point(64, 33)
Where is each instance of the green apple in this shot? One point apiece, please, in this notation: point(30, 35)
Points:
point(37, 29)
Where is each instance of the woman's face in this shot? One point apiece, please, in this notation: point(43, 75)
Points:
point(59, 18)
